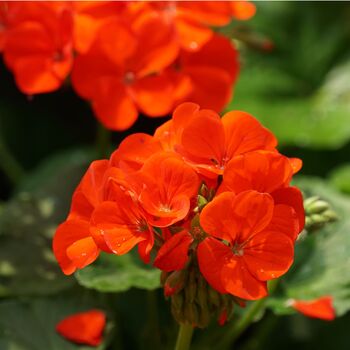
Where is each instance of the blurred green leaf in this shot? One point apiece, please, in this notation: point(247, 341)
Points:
point(315, 121)
point(340, 178)
point(322, 262)
point(300, 89)
point(113, 273)
point(27, 224)
point(30, 325)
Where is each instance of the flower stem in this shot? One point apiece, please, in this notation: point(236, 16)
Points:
point(184, 337)
point(103, 141)
point(233, 333)
point(9, 165)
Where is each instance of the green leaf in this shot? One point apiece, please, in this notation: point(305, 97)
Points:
point(313, 121)
point(322, 260)
point(27, 224)
point(113, 273)
point(30, 325)
point(301, 96)
point(340, 178)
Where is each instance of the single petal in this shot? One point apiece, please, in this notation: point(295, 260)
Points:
point(237, 218)
point(154, 95)
point(293, 197)
point(284, 220)
point(89, 191)
point(218, 53)
point(134, 150)
point(113, 105)
point(239, 282)
point(296, 164)
point(227, 273)
point(203, 138)
point(321, 308)
point(211, 86)
point(260, 171)
point(243, 133)
point(83, 252)
point(120, 224)
point(268, 255)
point(66, 235)
point(173, 255)
point(84, 327)
point(217, 218)
point(168, 186)
point(192, 35)
point(144, 249)
point(243, 10)
point(212, 256)
point(158, 46)
point(211, 13)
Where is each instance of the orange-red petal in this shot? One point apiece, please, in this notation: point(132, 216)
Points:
point(173, 255)
point(84, 327)
point(321, 308)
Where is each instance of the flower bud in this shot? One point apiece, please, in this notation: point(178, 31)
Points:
point(175, 282)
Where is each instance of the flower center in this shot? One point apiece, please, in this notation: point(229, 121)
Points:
point(237, 249)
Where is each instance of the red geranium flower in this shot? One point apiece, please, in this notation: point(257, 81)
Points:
point(268, 172)
point(84, 327)
point(74, 244)
point(250, 242)
point(38, 46)
point(209, 142)
point(192, 21)
point(124, 68)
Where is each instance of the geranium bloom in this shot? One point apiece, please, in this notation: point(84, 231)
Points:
point(268, 172)
point(209, 142)
point(38, 46)
point(84, 327)
point(89, 16)
point(192, 21)
point(321, 308)
point(124, 66)
point(210, 73)
point(74, 245)
point(250, 242)
point(210, 197)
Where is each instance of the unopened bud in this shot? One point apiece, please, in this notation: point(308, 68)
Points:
point(192, 313)
point(202, 293)
point(163, 277)
point(331, 215)
point(317, 207)
point(203, 191)
point(191, 287)
point(175, 282)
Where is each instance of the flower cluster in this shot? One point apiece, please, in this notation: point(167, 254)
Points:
point(209, 197)
point(124, 57)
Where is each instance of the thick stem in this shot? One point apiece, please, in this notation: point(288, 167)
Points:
point(103, 141)
point(184, 337)
point(233, 333)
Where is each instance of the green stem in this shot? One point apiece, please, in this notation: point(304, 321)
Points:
point(103, 141)
point(9, 165)
point(233, 333)
point(184, 337)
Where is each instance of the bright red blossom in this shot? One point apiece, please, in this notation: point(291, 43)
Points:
point(125, 58)
point(204, 194)
point(251, 241)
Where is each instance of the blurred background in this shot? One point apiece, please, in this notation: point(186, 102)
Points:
point(295, 78)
